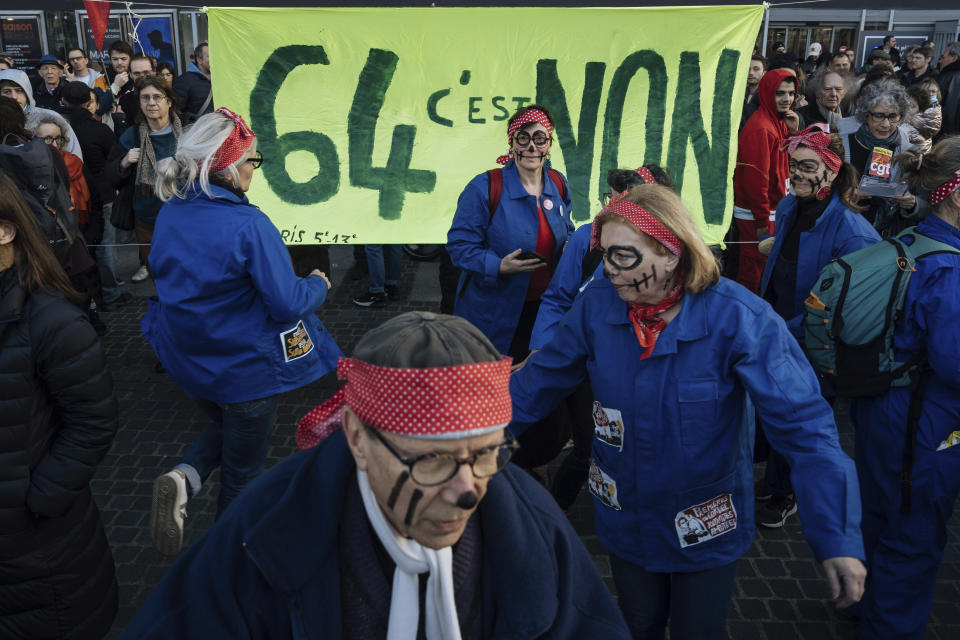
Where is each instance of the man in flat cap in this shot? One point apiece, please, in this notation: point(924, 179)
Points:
point(401, 521)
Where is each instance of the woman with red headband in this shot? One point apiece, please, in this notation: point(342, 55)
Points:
point(232, 324)
point(502, 281)
point(677, 359)
point(904, 550)
point(507, 235)
point(818, 221)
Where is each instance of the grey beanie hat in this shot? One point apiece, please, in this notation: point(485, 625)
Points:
point(422, 340)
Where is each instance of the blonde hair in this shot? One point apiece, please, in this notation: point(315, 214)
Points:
point(697, 260)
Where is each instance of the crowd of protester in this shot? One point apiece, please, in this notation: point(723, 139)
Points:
point(623, 337)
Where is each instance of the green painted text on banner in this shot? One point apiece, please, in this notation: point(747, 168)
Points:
point(372, 121)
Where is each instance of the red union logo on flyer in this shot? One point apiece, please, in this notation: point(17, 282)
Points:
point(705, 521)
point(880, 162)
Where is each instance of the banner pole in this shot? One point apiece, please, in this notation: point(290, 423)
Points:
point(766, 28)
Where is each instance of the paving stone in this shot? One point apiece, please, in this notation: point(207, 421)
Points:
point(782, 609)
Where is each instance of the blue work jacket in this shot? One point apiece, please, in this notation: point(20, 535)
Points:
point(477, 242)
point(270, 568)
point(231, 321)
point(837, 232)
point(672, 474)
point(566, 283)
point(931, 326)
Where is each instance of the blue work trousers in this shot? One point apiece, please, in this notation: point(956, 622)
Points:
point(903, 550)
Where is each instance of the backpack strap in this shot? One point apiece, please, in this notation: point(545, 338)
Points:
point(495, 186)
point(560, 183)
point(494, 189)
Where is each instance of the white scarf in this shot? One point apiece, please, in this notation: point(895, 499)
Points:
point(412, 559)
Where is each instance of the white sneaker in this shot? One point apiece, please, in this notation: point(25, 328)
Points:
point(168, 512)
point(141, 274)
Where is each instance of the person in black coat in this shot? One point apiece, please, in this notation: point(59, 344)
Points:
point(194, 92)
point(58, 417)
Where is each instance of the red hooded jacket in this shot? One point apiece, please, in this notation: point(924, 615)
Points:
point(760, 179)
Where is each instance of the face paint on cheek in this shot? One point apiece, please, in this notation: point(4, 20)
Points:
point(414, 501)
point(647, 277)
point(395, 492)
point(817, 181)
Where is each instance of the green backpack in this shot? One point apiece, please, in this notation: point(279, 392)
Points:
point(853, 310)
point(849, 322)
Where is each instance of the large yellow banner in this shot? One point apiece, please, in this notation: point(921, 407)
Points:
point(372, 121)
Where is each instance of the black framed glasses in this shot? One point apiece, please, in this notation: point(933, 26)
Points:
point(889, 117)
point(256, 160)
point(539, 138)
point(433, 469)
point(622, 258)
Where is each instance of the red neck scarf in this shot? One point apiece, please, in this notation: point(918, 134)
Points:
point(646, 320)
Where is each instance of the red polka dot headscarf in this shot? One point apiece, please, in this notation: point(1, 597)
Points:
point(236, 143)
point(437, 403)
point(816, 138)
point(646, 175)
point(640, 218)
point(943, 192)
point(533, 115)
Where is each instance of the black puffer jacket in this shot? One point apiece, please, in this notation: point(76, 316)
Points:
point(58, 417)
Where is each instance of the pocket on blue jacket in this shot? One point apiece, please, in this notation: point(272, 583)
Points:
point(699, 402)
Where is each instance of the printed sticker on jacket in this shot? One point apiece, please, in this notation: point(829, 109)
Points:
point(706, 521)
point(603, 487)
point(296, 342)
point(951, 440)
point(608, 426)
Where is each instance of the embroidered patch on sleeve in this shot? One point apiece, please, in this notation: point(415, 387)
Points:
point(608, 426)
point(603, 487)
point(706, 521)
point(295, 342)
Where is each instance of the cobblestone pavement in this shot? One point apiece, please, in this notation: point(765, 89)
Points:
point(780, 592)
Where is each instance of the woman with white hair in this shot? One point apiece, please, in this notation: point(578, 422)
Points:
point(877, 134)
point(231, 323)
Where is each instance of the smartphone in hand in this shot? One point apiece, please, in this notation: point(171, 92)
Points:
point(531, 255)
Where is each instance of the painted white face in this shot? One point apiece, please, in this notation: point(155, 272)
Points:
point(651, 276)
point(527, 153)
